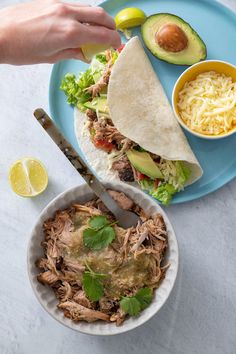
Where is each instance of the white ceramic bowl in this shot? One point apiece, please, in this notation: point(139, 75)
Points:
point(190, 74)
point(46, 296)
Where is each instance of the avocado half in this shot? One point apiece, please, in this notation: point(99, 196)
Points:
point(195, 50)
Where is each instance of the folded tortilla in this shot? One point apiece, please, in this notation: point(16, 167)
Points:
point(140, 110)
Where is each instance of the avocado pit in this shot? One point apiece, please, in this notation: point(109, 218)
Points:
point(171, 38)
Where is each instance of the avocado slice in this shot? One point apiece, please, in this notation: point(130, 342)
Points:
point(98, 103)
point(143, 162)
point(171, 39)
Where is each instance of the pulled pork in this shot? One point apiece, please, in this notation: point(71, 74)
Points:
point(132, 261)
point(105, 131)
point(104, 134)
point(102, 82)
point(124, 169)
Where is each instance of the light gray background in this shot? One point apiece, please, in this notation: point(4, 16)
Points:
point(200, 315)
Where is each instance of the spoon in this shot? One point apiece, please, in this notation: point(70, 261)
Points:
point(125, 218)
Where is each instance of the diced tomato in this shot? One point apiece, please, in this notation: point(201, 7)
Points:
point(104, 145)
point(120, 48)
point(156, 183)
point(141, 176)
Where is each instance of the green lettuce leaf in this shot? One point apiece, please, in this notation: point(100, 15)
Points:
point(97, 67)
point(146, 184)
point(163, 193)
point(101, 57)
point(183, 172)
point(74, 88)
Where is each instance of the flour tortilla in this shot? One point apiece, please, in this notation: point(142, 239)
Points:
point(140, 111)
point(96, 158)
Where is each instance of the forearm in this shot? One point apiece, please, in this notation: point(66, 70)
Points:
point(48, 31)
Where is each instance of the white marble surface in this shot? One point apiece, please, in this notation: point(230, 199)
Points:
point(200, 316)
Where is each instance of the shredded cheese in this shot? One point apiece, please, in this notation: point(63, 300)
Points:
point(115, 155)
point(168, 169)
point(207, 104)
point(85, 131)
point(102, 116)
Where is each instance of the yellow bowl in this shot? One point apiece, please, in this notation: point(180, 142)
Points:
point(190, 74)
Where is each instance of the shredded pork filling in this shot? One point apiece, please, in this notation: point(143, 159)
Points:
point(132, 261)
point(102, 128)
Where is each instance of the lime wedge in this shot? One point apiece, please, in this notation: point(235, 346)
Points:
point(28, 177)
point(89, 50)
point(129, 17)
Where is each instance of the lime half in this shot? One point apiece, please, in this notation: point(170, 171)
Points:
point(28, 177)
point(89, 50)
point(129, 17)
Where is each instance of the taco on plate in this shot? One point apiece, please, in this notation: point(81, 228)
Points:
point(125, 126)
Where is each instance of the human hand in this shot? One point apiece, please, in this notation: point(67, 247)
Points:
point(46, 31)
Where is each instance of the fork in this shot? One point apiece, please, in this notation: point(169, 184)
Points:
point(125, 218)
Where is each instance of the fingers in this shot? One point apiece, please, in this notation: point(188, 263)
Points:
point(85, 25)
point(94, 15)
point(99, 35)
point(76, 4)
point(62, 2)
point(72, 53)
point(85, 14)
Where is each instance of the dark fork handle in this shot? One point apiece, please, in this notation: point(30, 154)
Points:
point(79, 164)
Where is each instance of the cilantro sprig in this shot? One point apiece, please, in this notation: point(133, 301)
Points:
point(93, 285)
point(102, 58)
point(135, 304)
point(100, 233)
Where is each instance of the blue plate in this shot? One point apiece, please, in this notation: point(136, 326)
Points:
point(216, 24)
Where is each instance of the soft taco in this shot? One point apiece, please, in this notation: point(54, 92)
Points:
point(125, 125)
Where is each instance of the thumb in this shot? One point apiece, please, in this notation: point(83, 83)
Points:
point(72, 53)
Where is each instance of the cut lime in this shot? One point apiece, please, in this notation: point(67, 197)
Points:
point(28, 177)
point(89, 50)
point(129, 17)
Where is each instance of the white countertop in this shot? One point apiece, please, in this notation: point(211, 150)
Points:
point(200, 315)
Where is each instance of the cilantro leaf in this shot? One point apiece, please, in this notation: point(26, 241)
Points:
point(144, 296)
point(98, 221)
point(92, 286)
point(97, 240)
point(100, 234)
point(107, 236)
point(102, 58)
point(130, 305)
point(89, 235)
point(134, 304)
point(139, 148)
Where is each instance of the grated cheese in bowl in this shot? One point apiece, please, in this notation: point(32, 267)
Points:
point(207, 104)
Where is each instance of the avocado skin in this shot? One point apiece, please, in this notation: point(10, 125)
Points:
point(180, 20)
